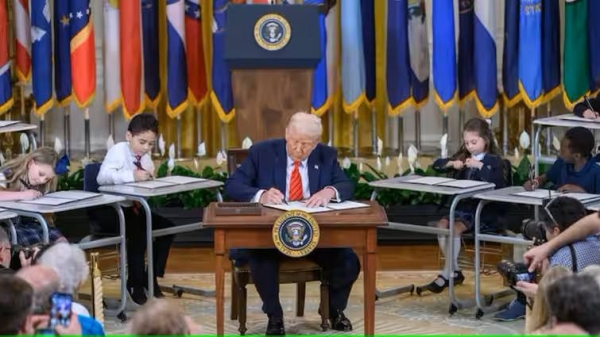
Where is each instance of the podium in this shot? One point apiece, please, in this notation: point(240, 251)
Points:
point(272, 51)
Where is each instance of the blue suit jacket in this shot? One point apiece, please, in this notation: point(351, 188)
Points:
point(265, 167)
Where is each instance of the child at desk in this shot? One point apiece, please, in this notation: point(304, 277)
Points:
point(574, 170)
point(582, 109)
point(127, 162)
point(477, 159)
point(28, 177)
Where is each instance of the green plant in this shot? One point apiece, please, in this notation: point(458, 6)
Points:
point(73, 181)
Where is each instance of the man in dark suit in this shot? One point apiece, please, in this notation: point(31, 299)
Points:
point(296, 168)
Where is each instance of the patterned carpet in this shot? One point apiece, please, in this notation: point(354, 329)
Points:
point(403, 314)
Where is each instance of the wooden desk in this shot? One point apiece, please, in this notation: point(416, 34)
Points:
point(355, 229)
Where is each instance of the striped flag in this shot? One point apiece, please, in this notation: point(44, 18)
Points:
point(418, 51)
point(221, 96)
point(62, 53)
point(320, 94)
point(466, 72)
point(353, 57)
point(332, 57)
point(444, 54)
point(397, 57)
point(151, 55)
point(22, 40)
point(6, 99)
point(368, 34)
point(484, 51)
point(551, 48)
point(177, 82)
point(83, 52)
point(510, 55)
point(41, 55)
point(530, 52)
point(594, 37)
point(112, 56)
point(576, 62)
point(132, 76)
point(194, 43)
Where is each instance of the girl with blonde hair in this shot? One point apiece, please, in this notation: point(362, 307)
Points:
point(539, 316)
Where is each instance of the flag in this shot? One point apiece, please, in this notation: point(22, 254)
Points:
point(41, 55)
point(130, 45)
point(397, 73)
point(353, 57)
point(62, 53)
point(150, 52)
point(444, 54)
point(177, 81)
point(576, 63)
point(484, 51)
point(320, 93)
point(551, 48)
point(22, 40)
point(332, 38)
point(594, 36)
point(510, 54)
point(194, 43)
point(83, 52)
point(6, 99)
point(367, 12)
point(418, 51)
point(221, 95)
point(466, 72)
point(530, 52)
point(112, 56)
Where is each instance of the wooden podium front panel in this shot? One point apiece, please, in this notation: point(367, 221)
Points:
point(265, 99)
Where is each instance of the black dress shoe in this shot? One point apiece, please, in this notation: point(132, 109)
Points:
point(138, 295)
point(275, 327)
point(339, 322)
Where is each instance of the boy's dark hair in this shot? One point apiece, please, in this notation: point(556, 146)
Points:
point(565, 211)
point(16, 299)
point(576, 299)
point(143, 122)
point(581, 140)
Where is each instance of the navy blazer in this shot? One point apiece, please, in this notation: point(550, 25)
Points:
point(265, 167)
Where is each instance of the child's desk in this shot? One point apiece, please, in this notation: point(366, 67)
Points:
point(38, 212)
point(21, 127)
point(141, 194)
point(504, 195)
point(458, 194)
point(6, 217)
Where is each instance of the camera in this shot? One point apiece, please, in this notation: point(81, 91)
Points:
point(514, 272)
point(534, 230)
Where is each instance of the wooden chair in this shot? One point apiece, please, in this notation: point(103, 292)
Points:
point(298, 271)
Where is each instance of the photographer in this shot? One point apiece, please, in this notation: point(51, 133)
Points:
point(559, 214)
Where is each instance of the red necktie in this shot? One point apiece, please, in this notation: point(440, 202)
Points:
point(138, 164)
point(296, 183)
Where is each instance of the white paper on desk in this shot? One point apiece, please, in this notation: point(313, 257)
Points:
point(338, 206)
point(579, 119)
point(7, 123)
point(429, 180)
point(581, 196)
point(72, 195)
point(151, 184)
point(48, 201)
point(538, 194)
point(463, 183)
point(298, 206)
point(180, 180)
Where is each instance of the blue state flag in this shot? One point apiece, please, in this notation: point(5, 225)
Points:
point(510, 54)
point(397, 71)
point(62, 52)
point(368, 34)
point(41, 54)
point(466, 72)
point(320, 101)
point(177, 85)
point(484, 51)
point(530, 52)
point(221, 96)
point(151, 55)
point(418, 43)
point(353, 57)
point(444, 54)
point(551, 48)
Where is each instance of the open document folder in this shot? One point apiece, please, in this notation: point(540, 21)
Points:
point(301, 206)
point(547, 194)
point(62, 197)
point(166, 182)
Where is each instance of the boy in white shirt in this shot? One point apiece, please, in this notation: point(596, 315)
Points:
point(127, 162)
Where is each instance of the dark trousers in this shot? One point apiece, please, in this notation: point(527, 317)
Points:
point(105, 220)
point(341, 267)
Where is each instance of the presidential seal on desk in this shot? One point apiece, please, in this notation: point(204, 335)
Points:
point(296, 233)
point(272, 32)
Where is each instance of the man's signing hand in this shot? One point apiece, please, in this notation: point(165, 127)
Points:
point(321, 198)
point(272, 196)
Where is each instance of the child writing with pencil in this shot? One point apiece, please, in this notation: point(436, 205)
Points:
point(128, 162)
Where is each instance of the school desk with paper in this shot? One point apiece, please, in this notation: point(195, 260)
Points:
point(62, 197)
point(301, 206)
point(7, 123)
point(545, 194)
point(166, 182)
point(429, 180)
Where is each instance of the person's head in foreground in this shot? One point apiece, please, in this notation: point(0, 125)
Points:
point(575, 300)
point(16, 301)
point(162, 317)
point(302, 135)
point(540, 313)
point(560, 213)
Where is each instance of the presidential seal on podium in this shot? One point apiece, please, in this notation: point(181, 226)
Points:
point(272, 32)
point(296, 233)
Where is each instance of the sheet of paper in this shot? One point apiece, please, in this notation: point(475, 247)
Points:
point(463, 183)
point(7, 123)
point(430, 180)
point(298, 206)
point(48, 201)
point(73, 195)
point(579, 119)
point(151, 184)
point(346, 205)
point(538, 194)
point(581, 196)
point(180, 180)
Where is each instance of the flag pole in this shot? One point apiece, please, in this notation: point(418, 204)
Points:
point(42, 131)
point(374, 130)
point(198, 112)
point(111, 124)
point(86, 115)
point(461, 123)
point(156, 150)
point(23, 119)
point(67, 129)
point(355, 133)
point(400, 135)
point(532, 133)
point(418, 129)
point(330, 125)
point(445, 124)
point(178, 135)
point(548, 131)
point(223, 137)
point(505, 131)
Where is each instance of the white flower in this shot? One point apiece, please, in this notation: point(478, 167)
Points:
point(201, 149)
point(555, 143)
point(161, 145)
point(221, 158)
point(524, 140)
point(58, 147)
point(379, 146)
point(110, 142)
point(346, 163)
point(246, 143)
point(444, 145)
point(412, 157)
point(24, 143)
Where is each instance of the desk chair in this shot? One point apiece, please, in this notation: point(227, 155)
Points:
point(298, 271)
